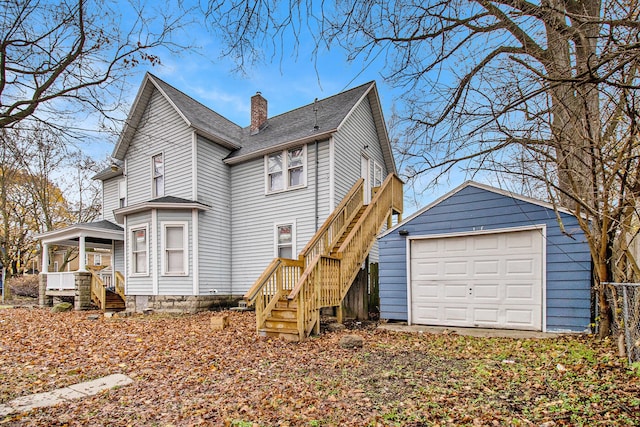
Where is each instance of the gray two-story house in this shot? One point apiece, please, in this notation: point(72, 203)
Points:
point(195, 207)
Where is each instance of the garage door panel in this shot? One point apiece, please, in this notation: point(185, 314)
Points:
point(455, 292)
point(485, 316)
point(486, 292)
point(455, 268)
point(520, 317)
point(521, 266)
point(453, 246)
point(486, 267)
point(492, 280)
point(523, 292)
point(487, 243)
point(455, 313)
point(421, 270)
point(426, 290)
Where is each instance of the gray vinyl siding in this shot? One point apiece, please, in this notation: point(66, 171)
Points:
point(162, 130)
point(214, 227)
point(118, 256)
point(174, 285)
point(355, 133)
point(255, 214)
point(110, 199)
point(139, 285)
point(568, 261)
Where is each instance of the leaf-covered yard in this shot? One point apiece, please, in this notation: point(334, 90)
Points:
point(188, 374)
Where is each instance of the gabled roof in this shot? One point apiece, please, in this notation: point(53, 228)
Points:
point(205, 121)
point(482, 187)
point(299, 126)
point(291, 128)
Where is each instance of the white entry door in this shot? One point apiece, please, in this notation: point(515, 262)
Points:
point(480, 280)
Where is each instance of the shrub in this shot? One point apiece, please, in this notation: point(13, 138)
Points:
point(24, 286)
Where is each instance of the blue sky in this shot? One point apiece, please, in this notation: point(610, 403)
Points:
point(286, 81)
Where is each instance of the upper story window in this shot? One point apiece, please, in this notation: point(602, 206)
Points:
point(377, 174)
point(286, 169)
point(157, 164)
point(122, 193)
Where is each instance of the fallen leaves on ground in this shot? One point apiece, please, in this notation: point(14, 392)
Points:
point(186, 374)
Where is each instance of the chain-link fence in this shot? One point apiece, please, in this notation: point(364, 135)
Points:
point(624, 299)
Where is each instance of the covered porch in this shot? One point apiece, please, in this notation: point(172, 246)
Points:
point(88, 284)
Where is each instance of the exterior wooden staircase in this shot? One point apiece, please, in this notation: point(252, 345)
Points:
point(289, 294)
point(108, 297)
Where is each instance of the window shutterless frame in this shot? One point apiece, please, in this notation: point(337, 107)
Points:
point(175, 253)
point(286, 170)
point(139, 250)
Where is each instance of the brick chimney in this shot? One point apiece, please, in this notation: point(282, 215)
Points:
point(258, 113)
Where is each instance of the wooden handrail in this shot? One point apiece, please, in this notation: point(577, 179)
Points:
point(335, 224)
point(98, 290)
point(252, 294)
point(120, 285)
point(304, 277)
point(356, 246)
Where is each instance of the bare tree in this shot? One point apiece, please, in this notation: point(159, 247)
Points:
point(541, 91)
point(57, 57)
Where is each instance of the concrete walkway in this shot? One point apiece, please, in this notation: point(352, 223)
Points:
point(61, 395)
point(472, 332)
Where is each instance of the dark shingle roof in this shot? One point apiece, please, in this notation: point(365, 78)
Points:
point(299, 124)
point(302, 125)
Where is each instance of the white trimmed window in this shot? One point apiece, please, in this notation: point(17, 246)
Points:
point(122, 193)
point(175, 259)
point(157, 165)
point(286, 169)
point(377, 174)
point(139, 251)
point(97, 259)
point(285, 240)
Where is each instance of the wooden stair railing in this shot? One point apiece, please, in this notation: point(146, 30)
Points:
point(334, 226)
point(98, 291)
point(107, 299)
point(326, 282)
point(321, 277)
point(120, 285)
point(277, 280)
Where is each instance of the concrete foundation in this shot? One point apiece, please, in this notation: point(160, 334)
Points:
point(179, 303)
point(82, 300)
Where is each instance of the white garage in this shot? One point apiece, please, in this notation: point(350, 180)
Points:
point(491, 279)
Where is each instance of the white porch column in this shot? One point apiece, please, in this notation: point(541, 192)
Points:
point(45, 258)
point(82, 262)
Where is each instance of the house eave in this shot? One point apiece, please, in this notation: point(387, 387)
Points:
point(75, 231)
point(289, 144)
point(485, 187)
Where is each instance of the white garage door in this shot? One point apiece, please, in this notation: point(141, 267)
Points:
point(482, 280)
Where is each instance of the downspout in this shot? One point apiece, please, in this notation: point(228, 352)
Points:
point(316, 199)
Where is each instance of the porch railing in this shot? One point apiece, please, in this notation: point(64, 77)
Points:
point(61, 281)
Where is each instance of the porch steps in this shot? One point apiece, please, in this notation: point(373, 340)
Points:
point(282, 321)
point(114, 302)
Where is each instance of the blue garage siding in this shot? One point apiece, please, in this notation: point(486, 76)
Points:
point(472, 208)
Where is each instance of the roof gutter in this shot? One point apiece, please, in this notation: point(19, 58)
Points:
point(285, 145)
